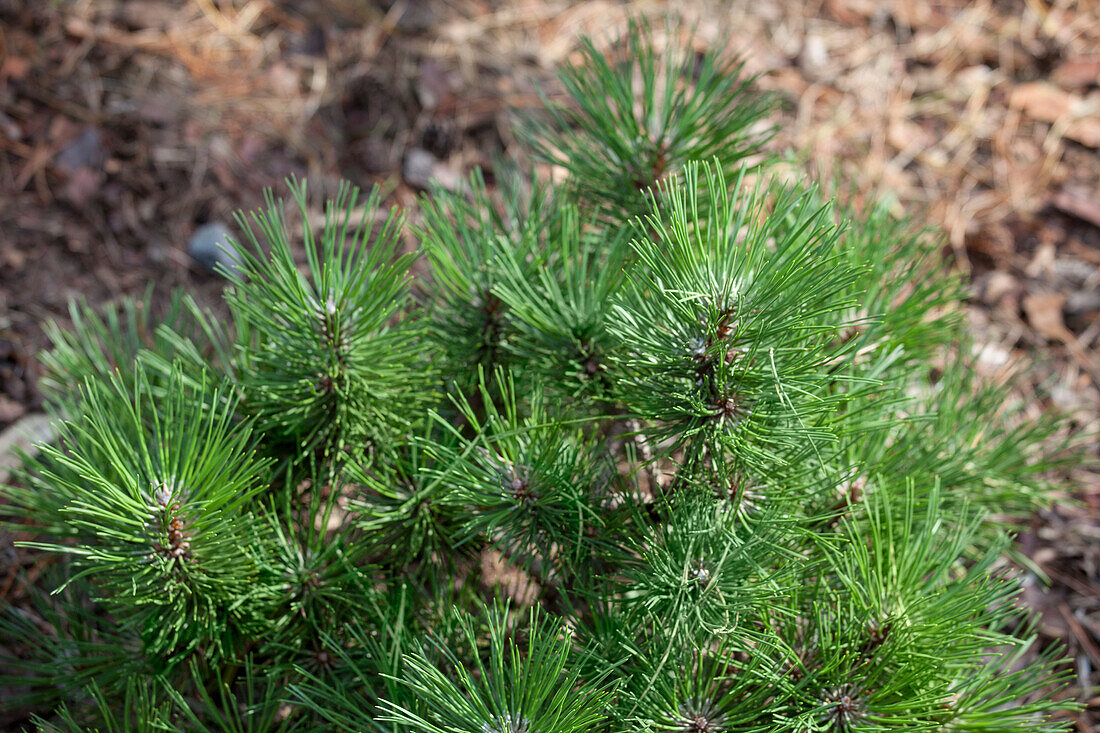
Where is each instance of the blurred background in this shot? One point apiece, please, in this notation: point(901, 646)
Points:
point(132, 130)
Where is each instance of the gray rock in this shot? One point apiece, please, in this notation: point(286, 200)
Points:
point(210, 245)
point(814, 59)
point(1082, 301)
point(27, 434)
point(87, 150)
point(419, 167)
point(313, 43)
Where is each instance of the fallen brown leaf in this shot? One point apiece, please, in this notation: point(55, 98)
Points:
point(1047, 103)
point(1044, 312)
point(14, 67)
point(850, 12)
point(1077, 73)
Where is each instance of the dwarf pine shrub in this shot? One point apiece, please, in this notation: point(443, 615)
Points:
point(718, 430)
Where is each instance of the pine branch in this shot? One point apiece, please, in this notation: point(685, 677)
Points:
point(638, 115)
point(322, 364)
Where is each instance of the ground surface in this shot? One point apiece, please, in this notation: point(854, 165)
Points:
point(127, 124)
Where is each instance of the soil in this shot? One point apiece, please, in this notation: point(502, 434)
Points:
point(125, 125)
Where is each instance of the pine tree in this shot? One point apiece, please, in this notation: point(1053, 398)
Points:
point(703, 413)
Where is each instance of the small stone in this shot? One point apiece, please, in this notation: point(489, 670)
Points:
point(26, 435)
point(1082, 301)
point(418, 168)
point(86, 151)
point(421, 168)
point(991, 358)
point(814, 58)
point(313, 42)
point(9, 127)
point(10, 410)
point(211, 245)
